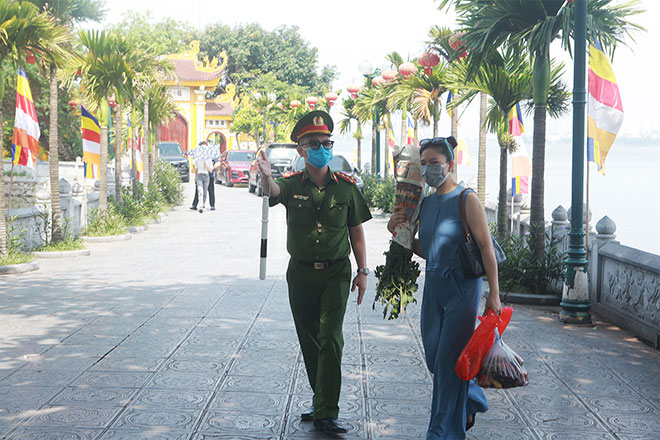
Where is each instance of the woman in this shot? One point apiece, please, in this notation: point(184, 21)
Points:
point(450, 304)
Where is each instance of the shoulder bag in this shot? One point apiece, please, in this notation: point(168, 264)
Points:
point(468, 251)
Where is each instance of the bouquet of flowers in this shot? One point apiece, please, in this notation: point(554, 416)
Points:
point(397, 278)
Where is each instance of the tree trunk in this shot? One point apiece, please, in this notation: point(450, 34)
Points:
point(359, 154)
point(134, 137)
point(3, 209)
point(435, 127)
point(502, 224)
point(374, 149)
point(103, 167)
point(145, 145)
point(454, 122)
point(154, 153)
point(257, 138)
point(386, 151)
point(537, 222)
point(481, 171)
point(118, 128)
point(53, 161)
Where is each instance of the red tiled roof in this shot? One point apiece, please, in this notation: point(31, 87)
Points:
point(186, 71)
point(219, 109)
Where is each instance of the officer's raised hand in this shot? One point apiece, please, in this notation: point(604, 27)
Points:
point(263, 164)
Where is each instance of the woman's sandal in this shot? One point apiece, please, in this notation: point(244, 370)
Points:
point(470, 423)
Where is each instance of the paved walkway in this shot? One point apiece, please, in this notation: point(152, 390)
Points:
point(172, 336)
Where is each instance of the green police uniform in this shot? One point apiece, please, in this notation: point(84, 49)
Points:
point(319, 273)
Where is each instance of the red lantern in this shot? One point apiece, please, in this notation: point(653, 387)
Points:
point(390, 75)
point(112, 103)
point(79, 73)
point(29, 58)
point(311, 101)
point(294, 104)
point(406, 69)
point(428, 60)
point(331, 97)
point(456, 43)
point(378, 81)
point(353, 89)
point(73, 104)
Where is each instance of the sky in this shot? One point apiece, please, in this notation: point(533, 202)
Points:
point(348, 32)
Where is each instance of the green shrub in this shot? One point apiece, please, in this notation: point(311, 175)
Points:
point(108, 222)
point(69, 244)
point(168, 182)
point(379, 193)
point(522, 273)
point(15, 243)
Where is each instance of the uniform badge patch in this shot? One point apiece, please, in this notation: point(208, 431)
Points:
point(318, 121)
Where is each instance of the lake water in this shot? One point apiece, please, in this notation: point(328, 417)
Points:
point(629, 192)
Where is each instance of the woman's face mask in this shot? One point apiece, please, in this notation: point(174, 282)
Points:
point(434, 175)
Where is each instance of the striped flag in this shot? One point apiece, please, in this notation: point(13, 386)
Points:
point(450, 96)
point(516, 127)
point(25, 140)
point(410, 131)
point(521, 170)
point(462, 155)
point(138, 159)
point(605, 110)
point(91, 140)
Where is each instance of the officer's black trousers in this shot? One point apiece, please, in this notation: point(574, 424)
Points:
point(318, 303)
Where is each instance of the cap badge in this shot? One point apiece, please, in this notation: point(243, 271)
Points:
point(318, 121)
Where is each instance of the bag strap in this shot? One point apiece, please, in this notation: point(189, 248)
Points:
point(461, 209)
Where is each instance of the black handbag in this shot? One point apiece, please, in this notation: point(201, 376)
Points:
point(468, 251)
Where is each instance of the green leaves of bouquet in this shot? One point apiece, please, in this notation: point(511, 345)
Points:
point(397, 281)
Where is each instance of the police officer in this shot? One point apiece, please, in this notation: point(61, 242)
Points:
point(325, 212)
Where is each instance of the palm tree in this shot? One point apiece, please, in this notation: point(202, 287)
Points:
point(508, 79)
point(108, 64)
point(23, 28)
point(65, 13)
point(161, 109)
point(425, 93)
point(372, 101)
point(348, 115)
point(489, 24)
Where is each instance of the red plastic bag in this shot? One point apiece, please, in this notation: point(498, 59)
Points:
point(474, 353)
point(502, 368)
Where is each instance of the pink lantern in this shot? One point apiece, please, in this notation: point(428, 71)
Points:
point(311, 101)
point(29, 58)
point(390, 75)
point(353, 89)
point(378, 81)
point(294, 104)
point(331, 97)
point(406, 69)
point(456, 43)
point(428, 60)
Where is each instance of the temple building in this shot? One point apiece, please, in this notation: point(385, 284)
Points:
point(198, 118)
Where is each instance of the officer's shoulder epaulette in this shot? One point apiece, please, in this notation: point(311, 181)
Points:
point(345, 176)
point(291, 174)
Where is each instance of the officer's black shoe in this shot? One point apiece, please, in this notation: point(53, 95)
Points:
point(330, 426)
point(307, 416)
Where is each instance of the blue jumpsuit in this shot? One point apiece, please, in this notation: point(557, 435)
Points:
point(449, 312)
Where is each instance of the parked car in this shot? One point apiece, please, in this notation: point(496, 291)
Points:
point(234, 167)
point(172, 152)
point(337, 163)
point(280, 156)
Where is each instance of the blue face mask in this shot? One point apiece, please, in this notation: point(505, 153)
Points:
point(319, 158)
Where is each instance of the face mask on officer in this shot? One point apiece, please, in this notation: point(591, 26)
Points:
point(319, 154)
point(434, 175)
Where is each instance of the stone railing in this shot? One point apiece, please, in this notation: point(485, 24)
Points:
point(30, 222)
point(624, 283)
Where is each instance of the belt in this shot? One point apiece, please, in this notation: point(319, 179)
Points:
point(318, 265)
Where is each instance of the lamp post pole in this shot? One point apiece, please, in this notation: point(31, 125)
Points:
point(575, 302)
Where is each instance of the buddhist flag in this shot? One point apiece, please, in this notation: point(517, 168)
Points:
point(138, 159)
point(410, 131)
point(450, 96)
point(25, 141)
point(605, 110)
point(462, 155)
point(391, 142)
point(516, 127)
point(521, 170)
point(91, 140)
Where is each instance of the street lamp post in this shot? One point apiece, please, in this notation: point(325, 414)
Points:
point(575, 302)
